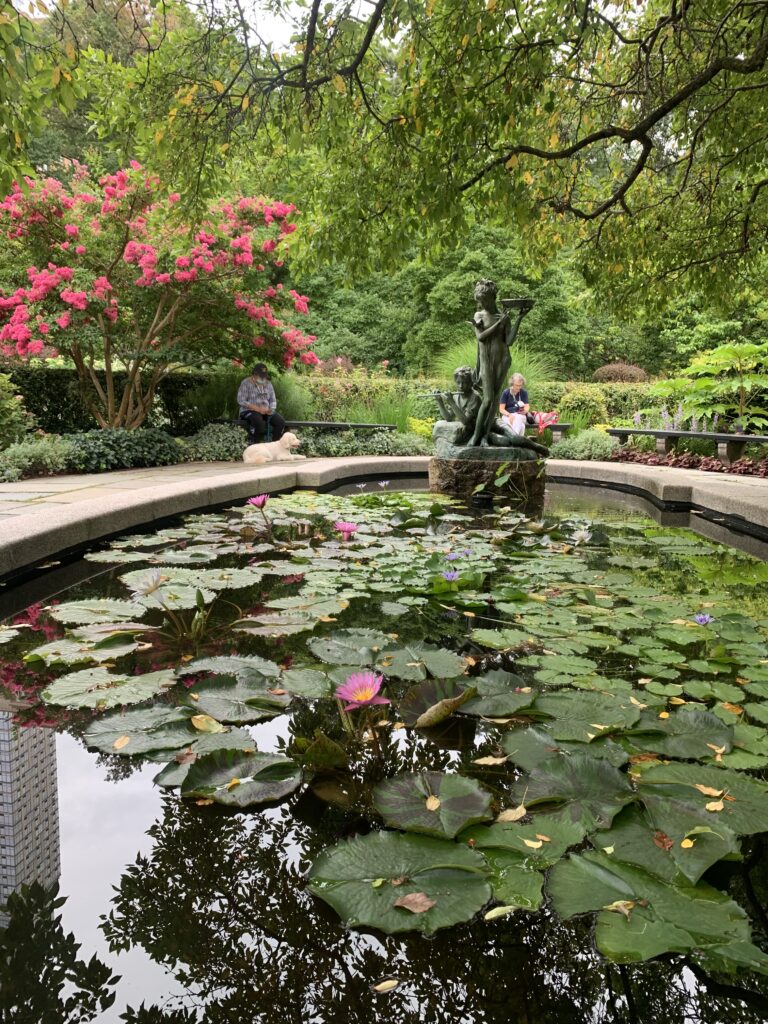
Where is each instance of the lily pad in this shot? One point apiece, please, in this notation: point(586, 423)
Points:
point(418, 660)
point(432, 803)
point(358, 647)
point(537, 844)
point(140, 730)
point(514, 884)
point(583, 716)
point(594, 791)
point(364, 878)
point(305, 682)
point(72, 652)
point(239, 779)
point(227, 699)
point(251, 669)
point(95, 610)
point(687, 733)
point(536, 745)
point(100, 689)
point(175, 772)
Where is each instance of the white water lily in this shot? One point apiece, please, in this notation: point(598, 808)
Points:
point(581, 536)
point(148, 584)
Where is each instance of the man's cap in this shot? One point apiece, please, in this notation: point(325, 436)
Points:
point(260, 370)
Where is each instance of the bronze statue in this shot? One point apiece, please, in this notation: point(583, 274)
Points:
point(471, 415)
point(495, 334)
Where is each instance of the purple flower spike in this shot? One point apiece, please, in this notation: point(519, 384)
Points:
point(451, 577)
point(259, 501)
point(703, 619)
point(361, 690)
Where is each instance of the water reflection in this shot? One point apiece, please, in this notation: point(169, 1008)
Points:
point(29, 809)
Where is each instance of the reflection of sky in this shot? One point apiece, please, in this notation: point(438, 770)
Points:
point(103, 828)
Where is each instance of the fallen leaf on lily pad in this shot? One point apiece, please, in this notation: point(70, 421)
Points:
point(715, 805)
point(533, 843)
point(433, 803)
point(621, 907)
point(499, 912)
point(709, 790)
point(687, 844)
point(416, 902)
point(513, 813)
point(205, 802)
point(204, 723)
point(489, 760)
point(121, 741)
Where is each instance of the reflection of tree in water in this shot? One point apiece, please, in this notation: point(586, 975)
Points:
point(221, 903)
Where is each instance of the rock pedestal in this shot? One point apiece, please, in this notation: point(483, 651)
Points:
point(460, 472)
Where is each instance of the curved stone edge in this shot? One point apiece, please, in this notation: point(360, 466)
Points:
point(26, 540)
point(742, 498)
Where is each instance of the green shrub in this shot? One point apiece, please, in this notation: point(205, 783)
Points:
point(35, 456)
point(100, 450)
point(294, 400)
point(584, 404)
point(618, 371)
point(15, 421)
point(591, 445)
point(337, 444)
point(216, 442)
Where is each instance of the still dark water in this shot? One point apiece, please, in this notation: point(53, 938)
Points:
point(200, 915)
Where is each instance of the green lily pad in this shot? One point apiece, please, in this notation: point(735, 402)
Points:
point(95, 610)
point(584, 716)
point(744, 800)
point(432, 701)
point(358, 647)
point(593, 790)
point(648, 916)
point(305, 682)
point(227, 699)
point(514, 884)
point(539, 843)
point(72, 652)
point(536, 745)
point(239, 779)
point(364, 878)
point(688, 733)
point(175, 772)
point(140, 730)
point(100, 689)
point(251, 669)
point(432, 803)
point(418, 660)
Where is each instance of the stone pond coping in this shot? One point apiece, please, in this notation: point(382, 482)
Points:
point(47, 516)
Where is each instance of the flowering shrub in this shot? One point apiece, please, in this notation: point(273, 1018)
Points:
point(621, 372)
point(115, 277)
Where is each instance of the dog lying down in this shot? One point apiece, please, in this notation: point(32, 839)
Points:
point(273, 451)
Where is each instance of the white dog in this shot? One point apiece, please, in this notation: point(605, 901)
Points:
point(273, 451)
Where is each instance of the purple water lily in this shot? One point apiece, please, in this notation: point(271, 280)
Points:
point(451, 577)
point(452, 556)
point(703, 619)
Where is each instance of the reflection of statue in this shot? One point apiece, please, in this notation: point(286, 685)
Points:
point(460, 414)
point(495, 334)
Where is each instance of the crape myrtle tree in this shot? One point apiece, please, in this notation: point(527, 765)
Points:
point(116, 280)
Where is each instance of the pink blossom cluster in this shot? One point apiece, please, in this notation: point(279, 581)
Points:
point(123, 223)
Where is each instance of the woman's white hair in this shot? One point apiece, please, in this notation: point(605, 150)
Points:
point(517, 376)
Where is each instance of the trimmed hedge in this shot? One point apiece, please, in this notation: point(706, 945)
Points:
point(52, 397)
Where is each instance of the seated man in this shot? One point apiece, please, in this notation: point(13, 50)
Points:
point(257, 401)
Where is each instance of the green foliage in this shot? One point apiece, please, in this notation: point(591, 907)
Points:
point(100, 450)
point(15, 421)
point(584, 403)
point(587, 444)
point(730, 381)
point(619, 371)
point(336, 444)
point(36, 456)
point(216, 442)
point(535, 366)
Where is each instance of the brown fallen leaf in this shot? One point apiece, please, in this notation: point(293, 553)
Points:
point(708, 790)
point(677, 700)
point(662, 840)
point(688, 843)
point(735, 709)
point(715, 805)
point(121, 741)
point(204, 802)
point(544, 839)
point(621, 907)
point(398, 881)
point(185, 757)
point(533, 843)
point(719, 751)
point(443, 709)
point(416, 902)
point(490, 760)
point(640, 758)
point(513, 813)
point(278, 692)
point(433, 803)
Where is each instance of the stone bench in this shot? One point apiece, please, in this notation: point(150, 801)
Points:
point(730, 447)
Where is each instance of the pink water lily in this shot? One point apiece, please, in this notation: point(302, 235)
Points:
point(259, 501)
point(361, 690)
point(345, 529)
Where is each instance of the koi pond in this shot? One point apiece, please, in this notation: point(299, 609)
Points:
point(376, 758)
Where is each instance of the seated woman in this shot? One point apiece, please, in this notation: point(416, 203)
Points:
point(514, 405)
